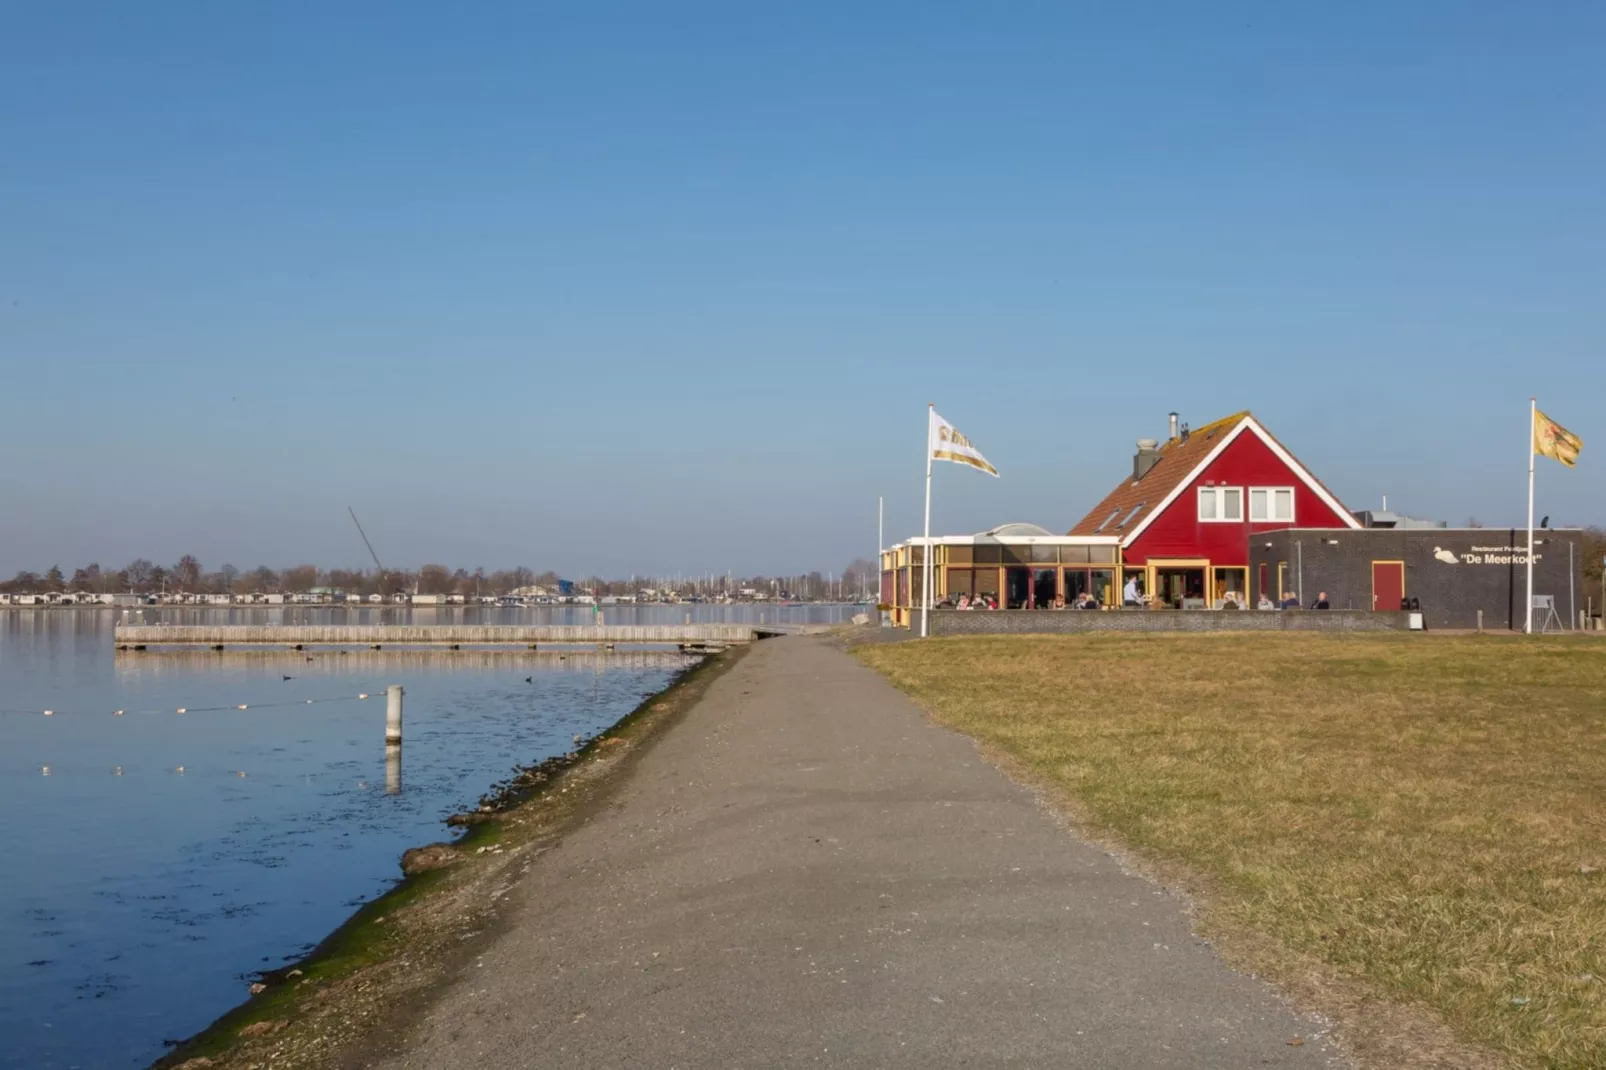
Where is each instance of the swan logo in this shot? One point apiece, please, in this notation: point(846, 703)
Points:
point(1446, 556)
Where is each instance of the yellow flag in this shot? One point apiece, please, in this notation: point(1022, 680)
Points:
point(1553, 440)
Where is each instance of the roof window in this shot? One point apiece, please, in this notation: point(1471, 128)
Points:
point(1113, 514)
point(1136, 509)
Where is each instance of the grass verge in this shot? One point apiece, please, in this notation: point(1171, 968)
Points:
point(355, 992)
point(1420, 819)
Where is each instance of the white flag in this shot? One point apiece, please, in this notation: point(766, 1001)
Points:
point(947, 444)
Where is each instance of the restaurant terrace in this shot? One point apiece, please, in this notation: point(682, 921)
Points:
point(1019, 566)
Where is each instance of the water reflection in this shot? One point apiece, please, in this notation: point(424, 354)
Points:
point(155, 859)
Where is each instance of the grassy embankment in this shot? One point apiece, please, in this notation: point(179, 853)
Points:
point(1420, 819)
point(357, 989)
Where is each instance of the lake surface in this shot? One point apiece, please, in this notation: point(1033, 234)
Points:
point(155, 861)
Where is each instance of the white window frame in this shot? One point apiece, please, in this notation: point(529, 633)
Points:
point(1271, 496)
point(1217, 499)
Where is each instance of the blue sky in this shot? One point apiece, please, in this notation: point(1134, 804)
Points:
point(644, 287)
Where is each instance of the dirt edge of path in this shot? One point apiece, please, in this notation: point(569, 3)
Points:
point(355, 993)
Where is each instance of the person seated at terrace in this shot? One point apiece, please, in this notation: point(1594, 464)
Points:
point(1321, 601)
point(1265, 602)
point(1085, 600)
point(1130, 595)
point(1290, 601)
point(1230, 601)
point(1059, 601)
point(963, 603)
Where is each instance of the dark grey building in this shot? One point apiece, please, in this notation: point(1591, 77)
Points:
point(1451, 572)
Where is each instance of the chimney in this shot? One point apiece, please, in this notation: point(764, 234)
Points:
point(1173, 427)
point(1147, 457)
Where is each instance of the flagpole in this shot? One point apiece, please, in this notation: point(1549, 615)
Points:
point(880, 541)
point(925, 559)
point(1533, 416)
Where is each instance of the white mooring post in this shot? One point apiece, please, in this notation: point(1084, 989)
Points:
point(393, 715)
point(1480, 620)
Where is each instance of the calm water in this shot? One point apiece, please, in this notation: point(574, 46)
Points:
point(154, 861)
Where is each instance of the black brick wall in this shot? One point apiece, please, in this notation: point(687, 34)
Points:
point(1489, 571)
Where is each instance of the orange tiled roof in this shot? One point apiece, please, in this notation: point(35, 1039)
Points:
point(1134, 499)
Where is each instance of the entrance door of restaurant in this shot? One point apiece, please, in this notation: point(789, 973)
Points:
point(1388, 584)
point(1176, 581)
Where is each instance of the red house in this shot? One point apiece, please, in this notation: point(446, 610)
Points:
point(1186, 514)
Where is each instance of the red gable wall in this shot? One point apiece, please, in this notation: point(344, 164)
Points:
point(1248, 462)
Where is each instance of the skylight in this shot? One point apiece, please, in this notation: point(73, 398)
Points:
point(1136, 509)
point(1113, 514)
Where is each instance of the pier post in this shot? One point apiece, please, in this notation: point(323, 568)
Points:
point(1480, 620)
point(393, 715)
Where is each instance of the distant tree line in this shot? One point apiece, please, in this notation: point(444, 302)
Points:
point(188, 576)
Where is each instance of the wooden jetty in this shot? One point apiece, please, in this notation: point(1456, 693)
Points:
point(343, 661)
point(452, 636)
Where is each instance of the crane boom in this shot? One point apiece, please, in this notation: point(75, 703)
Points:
point(365, 541)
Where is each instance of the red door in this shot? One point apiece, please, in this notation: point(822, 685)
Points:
point(1388, 584)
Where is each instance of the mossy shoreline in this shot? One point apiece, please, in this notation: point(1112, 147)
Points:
point(394, 950)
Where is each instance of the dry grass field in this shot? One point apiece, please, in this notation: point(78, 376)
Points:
point(1425, 815)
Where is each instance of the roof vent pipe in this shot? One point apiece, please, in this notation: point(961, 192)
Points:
point(1173, 427)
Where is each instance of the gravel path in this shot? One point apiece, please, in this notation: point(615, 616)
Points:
point(806, 871)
